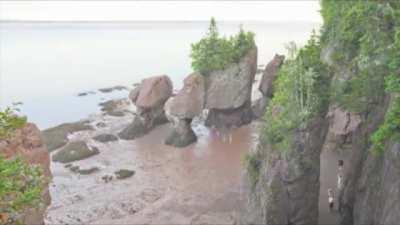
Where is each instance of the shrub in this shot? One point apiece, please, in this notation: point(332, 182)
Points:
point(367, 34)
point(9, 122)
point(20, 186)
point(215, 53)
point(252, 163)
point(300, 93)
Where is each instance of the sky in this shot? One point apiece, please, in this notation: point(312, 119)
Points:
point(92, 10)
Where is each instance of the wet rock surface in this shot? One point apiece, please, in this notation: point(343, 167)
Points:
point(74, 151)
point(149, 98)
point(123, 174)
point(57, 137)
point(111, 89)
point(182, 134)
point(112, 107)
point(104, 138)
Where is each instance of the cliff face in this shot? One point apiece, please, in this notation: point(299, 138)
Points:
point(359, 45)
point(27, 142)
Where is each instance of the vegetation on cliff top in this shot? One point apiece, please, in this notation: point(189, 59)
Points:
point(366, 35)
point(9, 122)
point(300, 93)
point(215, 53)
point(20, 183)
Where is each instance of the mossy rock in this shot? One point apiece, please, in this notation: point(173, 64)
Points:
point(56, 137)
point(104, 138)
point(123, 174)
point(111, 107)
point(77, 169)
point(74, 151)
point(134, 130)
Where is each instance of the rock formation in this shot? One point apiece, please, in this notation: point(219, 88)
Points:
point(182, 108)
point(266, 85)
point(149, 99)
point(228, 93)
point(27, 143)
point(287, 189)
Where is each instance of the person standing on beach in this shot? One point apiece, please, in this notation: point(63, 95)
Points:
point(340, 174)
point(330, 199)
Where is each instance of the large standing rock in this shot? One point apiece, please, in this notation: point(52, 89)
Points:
point(228, 92)
point(154, 91)
point(149, 99)
point(269, 75)
point(182, 108)
point(27, 143)
point(182, 134)
point(266, 85)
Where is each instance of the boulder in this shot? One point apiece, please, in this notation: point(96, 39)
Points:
point(228, 93)
point(124, 173)
point(182, 134)
point(154, 91)
point(230, 118)
point(188, 102)
point(57, 137)
point(182, 108)
point(28, 143)
point(134, 130)
point(149, 97)
point(134, 94)
point(74, 151)
point(269, 75)
point(231, 88)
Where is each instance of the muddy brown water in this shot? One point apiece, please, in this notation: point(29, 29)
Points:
point(193, 185)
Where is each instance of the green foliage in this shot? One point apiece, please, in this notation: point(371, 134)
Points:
point(366, 34)
point(300, 93)
point(215, 53)
point(20, 185)
point(9, 122)
point(252, 162)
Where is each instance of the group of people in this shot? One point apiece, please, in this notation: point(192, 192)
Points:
point(331, 195)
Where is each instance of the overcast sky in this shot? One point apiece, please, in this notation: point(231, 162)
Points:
point(160, 10)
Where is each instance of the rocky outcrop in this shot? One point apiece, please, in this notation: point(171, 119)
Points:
point(74, 151)
point(371, 187)
point(228, 93)
point(342, 125)
point(287, 187)
point(269, 75)
point(182, 108)
point(149, 99)
point(27, 143)
point(266, 85)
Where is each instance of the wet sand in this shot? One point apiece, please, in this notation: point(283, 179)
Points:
point(194, 185)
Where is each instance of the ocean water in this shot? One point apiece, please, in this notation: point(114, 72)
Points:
point(45, 65)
